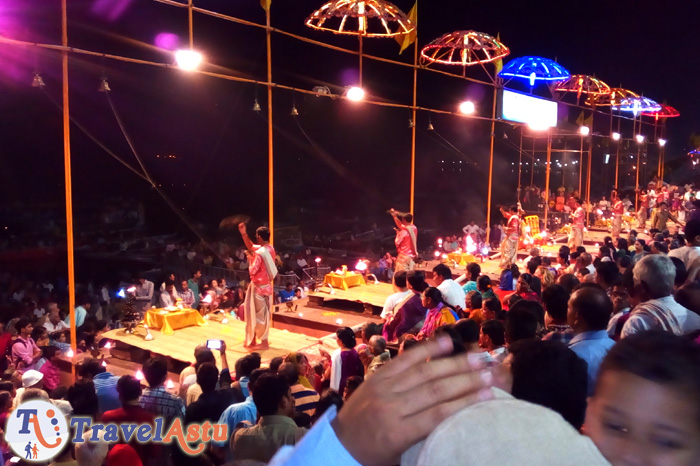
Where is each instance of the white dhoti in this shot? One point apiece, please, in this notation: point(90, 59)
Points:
point(405, 263)
point(509, 251)
point(257, 310)
point(616, 226)
point(575, 238)
point(642, 217)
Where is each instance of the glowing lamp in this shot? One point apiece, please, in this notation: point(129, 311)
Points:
point(600, 212)
point(131, 289)
point(543, 234)
point(527, 228)
point(485, 251)
point(104, 363)
point(207, 299)
point(662, 142)
point(584, 130)
point(121, 293)
point(108, 345)
point(361, 266)
point(339, 321)
point(188, 60)
point(616, 136)
point(318, 260)
point(467, 107)
point(170, 385)
point(639, 138)
point(437, 254)
point(355, 94)
point(597, 245)
point(70, 353)
point(301, 314)
point(549, 254)
point(139, 375)
point(439, 241)
point(444, 256)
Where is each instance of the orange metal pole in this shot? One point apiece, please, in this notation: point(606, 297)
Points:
point(546, 181)
point(493, 137)
point(68, 181)
point(415, 114)
point(270, 150)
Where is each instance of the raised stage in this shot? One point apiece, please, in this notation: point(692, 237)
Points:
point(180, 346)
point(374, 295)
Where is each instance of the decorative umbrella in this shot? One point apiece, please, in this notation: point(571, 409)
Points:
point(368, 18)
point(639, 105)
point(464, 48)
point(583, 84)
point(534, 69)
point(618, 96)
point(666, 112)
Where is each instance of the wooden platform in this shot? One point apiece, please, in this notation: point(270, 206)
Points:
point(181, 345)
point(374, 295)
point(319, 322)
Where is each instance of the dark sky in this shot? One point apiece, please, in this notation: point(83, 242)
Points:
point(337, 159)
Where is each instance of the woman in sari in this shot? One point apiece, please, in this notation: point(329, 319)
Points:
point(439, 313)
point(305, 371)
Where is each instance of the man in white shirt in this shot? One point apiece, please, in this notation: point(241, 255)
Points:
point(452, 293)
point(587, 261)
point(400, 293)
point(144, 294)
point(54, 323)
point(690, 253)
point(471, 228)
point(654, 277)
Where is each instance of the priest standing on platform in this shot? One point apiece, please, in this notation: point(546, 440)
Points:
point(577, 222)
point(406, 241)
point(259, 298)
point(509, 246)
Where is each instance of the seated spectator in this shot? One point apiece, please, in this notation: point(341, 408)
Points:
point(31, 379)
point(439, 312)
point(52, 374)
point(245, 412)
point(533, 265)
point(194, 391)
point(329, 398)
point(621, 309)
point(549, 374)
point(105, 384)
point(556, 301)
point(307, 376)
point(521, 324)
point(469, 279)
point(569, 282)
point(408, 314)
point(653, 284)
point(523, 289)
point(287, 294)
point(509, 277)
point(485, 287)
point(469, 335)
point(452, 293)
point(589, 312)
point(212, 401)
point(40, 337)
point(688, 296)
point(244, 367)
point(352, 384)
point(83, 398)
point(401, 292)
point(129, 390)
point(168, 297)
point(25, 353)
point(645, 405)
point(474, 305)
point(380, 355)
point(156, 399)
point(607, 274)
point(305, 399)
point(492, 309)
point(492, 338)
point(275, 428)
point(344, 362)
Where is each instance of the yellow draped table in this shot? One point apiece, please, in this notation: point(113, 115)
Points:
point(343, 282)
point(169, 321)
point(461, 258)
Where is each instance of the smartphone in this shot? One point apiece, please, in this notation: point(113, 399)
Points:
point(214, 344)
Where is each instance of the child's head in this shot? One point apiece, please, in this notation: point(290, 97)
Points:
point(646, 407)
point(50, 353)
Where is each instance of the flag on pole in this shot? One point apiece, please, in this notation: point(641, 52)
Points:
point(498, 63)
point(405, 40)
point(265, 4)
point(581, 119)
point(589, 121)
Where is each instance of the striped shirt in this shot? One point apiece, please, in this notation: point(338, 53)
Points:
point(305, 400)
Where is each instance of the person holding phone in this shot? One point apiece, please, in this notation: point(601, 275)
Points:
point(259, 298)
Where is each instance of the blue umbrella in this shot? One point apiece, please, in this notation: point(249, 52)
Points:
point(534, 69)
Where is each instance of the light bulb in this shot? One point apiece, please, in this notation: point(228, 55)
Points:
point(355, 94)
point(188, 60)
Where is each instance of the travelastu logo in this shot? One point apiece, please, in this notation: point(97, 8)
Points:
point(38, 431)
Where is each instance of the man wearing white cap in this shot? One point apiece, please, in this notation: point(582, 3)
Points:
point(30, 379)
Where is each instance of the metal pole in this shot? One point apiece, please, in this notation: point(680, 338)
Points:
point(590, 159)
point(580, 171)
point(190, 23)
point(361, 47)
point(546, 182)
point(68, 181)
point(415, 115)
point(270, 153)
point(636, 185)
point(493, 137)
point(520, 159)
point(532, 167)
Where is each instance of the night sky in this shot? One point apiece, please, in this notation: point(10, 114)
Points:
point(337, 159)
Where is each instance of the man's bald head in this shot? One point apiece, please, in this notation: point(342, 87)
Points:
point(586, 259)
point(590, 309)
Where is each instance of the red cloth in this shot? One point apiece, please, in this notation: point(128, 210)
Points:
point(132, 415)
point(5, 340)
point(122, 455)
